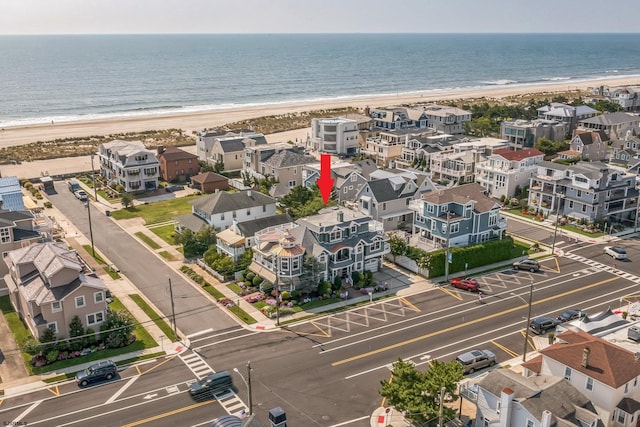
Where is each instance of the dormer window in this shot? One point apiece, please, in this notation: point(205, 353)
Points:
point(5, 235)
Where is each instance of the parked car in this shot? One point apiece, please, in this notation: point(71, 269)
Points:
point(470, 285)
point(211, 384)
point(541, 325)
point(104, 370)
point(617, 252)
point(569, 315)
point(173, 187)
point(527, 264)
point(81, 195)
point(473, 360)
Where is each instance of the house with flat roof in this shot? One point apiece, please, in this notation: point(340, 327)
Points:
point(446, 119)
point(586, 190)
point(525, 133)
point(567, 114)
point(11, 194)
point(336, 135)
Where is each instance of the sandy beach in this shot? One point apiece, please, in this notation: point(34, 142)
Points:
point(190, 122)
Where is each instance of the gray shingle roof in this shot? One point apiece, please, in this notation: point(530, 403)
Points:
point(609, 119)
point(223, 201)
point(537, 394)
point(288, 158)
point(383, 191)
point(462, 194)
point(250, 228)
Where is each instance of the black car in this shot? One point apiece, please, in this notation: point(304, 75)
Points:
point(569, 315)
point(173, 187)
point(105, 370)
point(527, 264)
point(211, 384)
point(543, 324)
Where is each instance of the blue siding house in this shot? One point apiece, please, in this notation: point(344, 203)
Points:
point(463, 215)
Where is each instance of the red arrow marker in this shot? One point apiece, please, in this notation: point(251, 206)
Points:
point(325, 182)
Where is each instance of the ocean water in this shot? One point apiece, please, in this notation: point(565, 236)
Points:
point(62, 78)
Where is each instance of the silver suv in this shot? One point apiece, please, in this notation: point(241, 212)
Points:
point(473, 360)
point(105, 370)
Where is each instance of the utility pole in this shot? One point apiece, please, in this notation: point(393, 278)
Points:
point(173, 310)
point(555, 231)
point(93, 249)
point(249, 387)
point(277, 285)
point(93, 177)
point(526, 329)
point(446, 253)
point(441, 411)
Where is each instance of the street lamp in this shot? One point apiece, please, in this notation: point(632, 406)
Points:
point(555, 231)
point(93, 177)
point(248, 384)
point(526, 329)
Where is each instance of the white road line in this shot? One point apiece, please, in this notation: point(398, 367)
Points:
point(122, 389)
point(24, 413)
point(355, 420)
point(195, 334)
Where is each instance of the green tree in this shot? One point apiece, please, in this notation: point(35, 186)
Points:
point(76, 329)
point(48, 339)
point(206, 236)
point(218, 167)
point(605, 106)
point(116, 329)
point(126, 199)
point(398, 246)
point(549, 147)
point(417, 393)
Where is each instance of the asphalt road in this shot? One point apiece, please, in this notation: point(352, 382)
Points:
point(327, 372)
point(194, 312)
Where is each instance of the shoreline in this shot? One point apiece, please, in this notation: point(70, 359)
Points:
point(196, 121)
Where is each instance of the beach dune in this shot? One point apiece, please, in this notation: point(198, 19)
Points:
point(189, 122)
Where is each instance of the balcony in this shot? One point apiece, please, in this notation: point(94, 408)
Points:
point(417, 206)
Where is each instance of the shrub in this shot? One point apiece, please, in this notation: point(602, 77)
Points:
point(323, 287)
point(31, 346)
point(48, 205)
point(52, 356)
point(285, 295)
point(249, 276)
point(337, 283)
point(355, 277)
point(256, 281)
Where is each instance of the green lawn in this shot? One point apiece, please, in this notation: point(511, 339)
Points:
point(112, 273)
point(157, 212)
point(165, 232)
point(159, 321)
point(166, 255)
point(148, 240)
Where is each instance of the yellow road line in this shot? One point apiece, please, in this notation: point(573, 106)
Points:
point(469, 323)
point(531, 343)
point(55, 393)
point(505, 349)
point(155, 366)
point(138, 369)
point(384, 399)
point(1, 400)
point(447, 291)
point(166, 414)
point(404, 300)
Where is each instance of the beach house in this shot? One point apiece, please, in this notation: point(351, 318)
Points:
point(506, 170)
point(337, 136)
point(49, 285)
point(176, 164)
point(130, 164)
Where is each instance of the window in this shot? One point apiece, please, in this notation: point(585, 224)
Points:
point(384, 206)
point(375, 246)
point(579, 193)
point(248, 211)
point(567, 373)
point(344, 190)
point(354, 178)
point(264, 208)
point(295, 171)
point(335, 235)
point(621, 416)
point(80, 301)
point(5, 235)
point(429, 208)
point(295, 264)
point(529, 423)
point(493, 218)
point(292, 184)
point(589, 385)
point(94, 318)
point(53, 326)
point(222, 217)
point(284, 264)
point(626, 388)
point(98, 297)
point(56, 306)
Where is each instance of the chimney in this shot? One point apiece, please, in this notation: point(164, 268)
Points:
point(248, 193)
point(340, 216)
point(585, 357)
point(546, 419)
point(160, 149)
point(506, 405)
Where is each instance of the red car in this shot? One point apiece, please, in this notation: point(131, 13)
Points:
point(466, 284)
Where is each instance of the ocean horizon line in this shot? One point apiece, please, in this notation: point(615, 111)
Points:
point(557, 83)
point(322, 33)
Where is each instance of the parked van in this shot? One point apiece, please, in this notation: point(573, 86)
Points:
point(73, 185)
point(211, 384)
